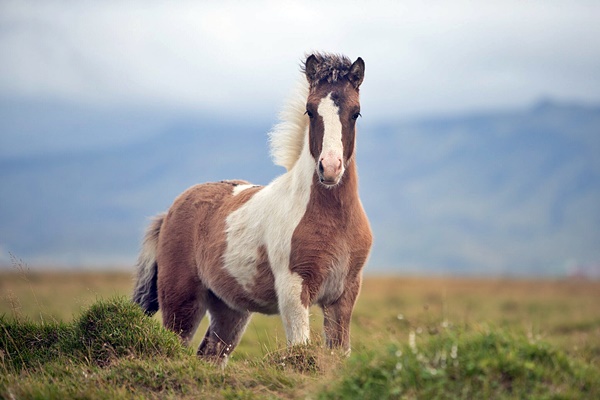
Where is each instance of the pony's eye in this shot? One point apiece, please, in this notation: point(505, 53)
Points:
point(355, 116)
point(310, 115)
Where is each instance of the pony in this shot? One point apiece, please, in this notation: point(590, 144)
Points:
point(231, 248)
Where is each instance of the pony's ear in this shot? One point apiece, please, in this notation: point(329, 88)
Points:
point(310, 68)
point(357, 72)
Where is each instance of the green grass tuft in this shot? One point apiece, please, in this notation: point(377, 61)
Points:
point(466, 364)
point(24, 344)
point(118, 328)
point(107, 330)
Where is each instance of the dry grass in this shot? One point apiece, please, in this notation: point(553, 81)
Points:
point(566, 312)
point(57, 295)
point(563, 312)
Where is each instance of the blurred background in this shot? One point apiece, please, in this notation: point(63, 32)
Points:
point(478, 150)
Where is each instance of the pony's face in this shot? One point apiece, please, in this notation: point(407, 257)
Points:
point(333, 108)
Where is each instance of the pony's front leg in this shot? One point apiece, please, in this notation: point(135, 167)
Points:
point(293, 312)
point(337, 316)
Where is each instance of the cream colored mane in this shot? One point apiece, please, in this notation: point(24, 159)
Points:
point(286, 138)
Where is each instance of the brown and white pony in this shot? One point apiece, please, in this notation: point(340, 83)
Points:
point(232, 248)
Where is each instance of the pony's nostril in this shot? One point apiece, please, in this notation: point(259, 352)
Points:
point(321, 168)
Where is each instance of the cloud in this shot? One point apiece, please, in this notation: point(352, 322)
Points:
point(438, 56)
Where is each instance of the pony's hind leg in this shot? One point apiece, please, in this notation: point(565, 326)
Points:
point(225, 330)
point(183, 308)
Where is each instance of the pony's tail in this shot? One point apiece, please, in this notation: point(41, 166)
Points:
point(145, 292)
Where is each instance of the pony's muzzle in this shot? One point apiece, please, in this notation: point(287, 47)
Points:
point(330, 170)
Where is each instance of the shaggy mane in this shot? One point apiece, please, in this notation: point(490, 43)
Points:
point(286, 139)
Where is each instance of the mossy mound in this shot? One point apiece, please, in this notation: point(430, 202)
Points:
point(119, 328)
point(108, 329)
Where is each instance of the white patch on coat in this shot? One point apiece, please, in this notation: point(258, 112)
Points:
point(293, 314)
point(332, 135)
point(269, 219)
point(240, 188)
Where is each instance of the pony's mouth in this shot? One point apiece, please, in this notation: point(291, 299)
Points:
point(330, 177)
point(329, 183)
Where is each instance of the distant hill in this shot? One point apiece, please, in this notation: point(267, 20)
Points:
point(91, 206)
point(513, 192)
point(510, 192)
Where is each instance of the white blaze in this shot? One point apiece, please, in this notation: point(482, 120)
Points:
point(333, 149)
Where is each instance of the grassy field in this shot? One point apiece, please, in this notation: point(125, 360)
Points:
point(412, 338)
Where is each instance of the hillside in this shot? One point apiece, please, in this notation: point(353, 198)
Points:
point(508, 192)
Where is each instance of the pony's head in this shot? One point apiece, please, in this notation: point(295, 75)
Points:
point(332, 108)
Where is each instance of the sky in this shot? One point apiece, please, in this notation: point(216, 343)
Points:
point(422, 57)
point(85, 64)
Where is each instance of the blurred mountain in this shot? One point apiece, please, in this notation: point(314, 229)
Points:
point(513, 192)
point(509, 192)
point(90, 206)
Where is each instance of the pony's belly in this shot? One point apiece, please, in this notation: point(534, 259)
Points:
point(248, 299)
point(268, 309)
point(248, 287)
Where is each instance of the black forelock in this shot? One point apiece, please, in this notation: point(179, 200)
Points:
point(330, 68)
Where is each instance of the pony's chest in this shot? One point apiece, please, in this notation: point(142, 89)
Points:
point(333, 281)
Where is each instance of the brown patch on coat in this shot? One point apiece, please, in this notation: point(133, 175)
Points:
point(263, 288)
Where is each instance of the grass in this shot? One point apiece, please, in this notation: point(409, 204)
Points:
point(112, 350)
point(75, 335)
point(466, 364)
point(108, 330)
